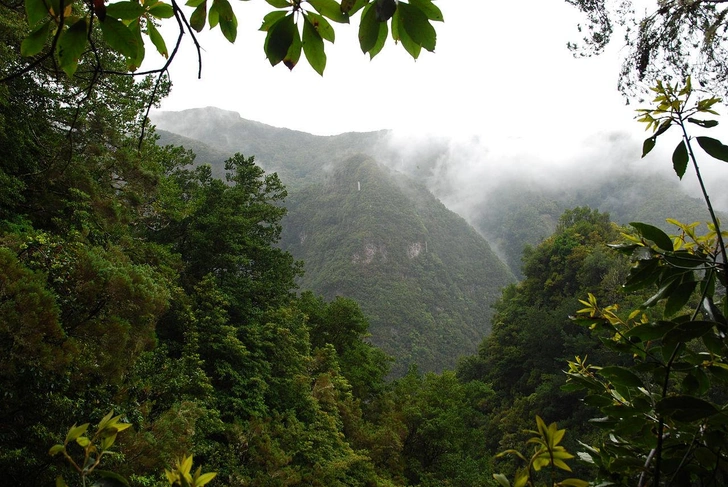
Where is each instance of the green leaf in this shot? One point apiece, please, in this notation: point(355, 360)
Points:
point(60, 482)
point(157, 39)
point(194, 3)
point(428, 8)
point(205, 478)
point(227, 19)
point(573, 483)
point(368, 28)
point(313, 47)
point(83, 441)
point(680, 159)
point(400, 33)
point(417, 26)
point(56, 449)
point(36, 40)
point(322, 26)
point(350, 7)
point(621, 376)
point(161, 10)
point(271, 18)
point(75, 432)
point(125, 10)
point(199, 16)
point(501, 479)
point(704, 123)
point(71, 46)
point(650, 232)
point(686, 408)
point(119, 37)
point(134, 61)
point(385, 9)
point(36, 10)
point(279, 3)
point(679, 297)
point(279, 39)
point(714, 148)
point(330, 9)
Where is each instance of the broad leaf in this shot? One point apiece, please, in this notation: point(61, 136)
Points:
point(651, 331)
point(112, 479)
point(124, 10)
point(351, 7)
point(428, 8)
point(679, 297)
point(75, 432)
point(71, 46)
point(621, 376)
point(271, 18)
point(199, 17)
point(36, 10)
point(686, 408)
point(650, 232)
point(714, 148)
point(294, 52)
point(279, 3)
point(157, 39)
point(119, 37)
point(134, 61)
point(322, 26)
point(279, 39)
point(680, 159)
point(313, 47)
point(330, 9)
point(161, 10)
point(684, 332)
point(400, 33)
point(417, 26)
point(368, 28)
point(36, 41)
point(648, 145)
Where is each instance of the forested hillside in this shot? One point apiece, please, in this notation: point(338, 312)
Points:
point(424, 277)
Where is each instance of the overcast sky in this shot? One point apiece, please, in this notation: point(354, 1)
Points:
point(501, 69)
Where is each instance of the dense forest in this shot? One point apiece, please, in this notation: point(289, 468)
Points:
point(158, 328)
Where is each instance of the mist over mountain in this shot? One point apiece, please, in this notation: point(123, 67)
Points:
point(371, 214)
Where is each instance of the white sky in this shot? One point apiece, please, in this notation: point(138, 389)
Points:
point(501, 70)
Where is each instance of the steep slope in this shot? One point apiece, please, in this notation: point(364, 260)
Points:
point(297, 157)
point(425, 278)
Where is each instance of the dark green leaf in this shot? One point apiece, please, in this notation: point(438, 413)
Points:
point(679, 297)
point(226, 18)
point(36, 10)
point(684, 259)
point(714, 148)
point(428, 8)
point(34, 43)
point(71, 46)
point(417, 26)
point(279, 39)
point(161, 10)
point(385, 9)
point(720, 372)
point(650, 232)
point(294, 52)
point(685, 408)
point(330, 9)
point(368, 28)
point(279, 3)
point(684, 332)
point(124, 10)
point(322, 26)
point(194, 3)
point(199, 17)
point(680, 159)
point(157, 39)
point(119, 37)
point(648, 145)
point(112, 479)
point(651, 331)
point(313, 47)
point(714, 344)
point(704, 123)
point(621, 376)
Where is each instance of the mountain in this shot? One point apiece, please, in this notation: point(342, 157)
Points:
point(425, 278)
